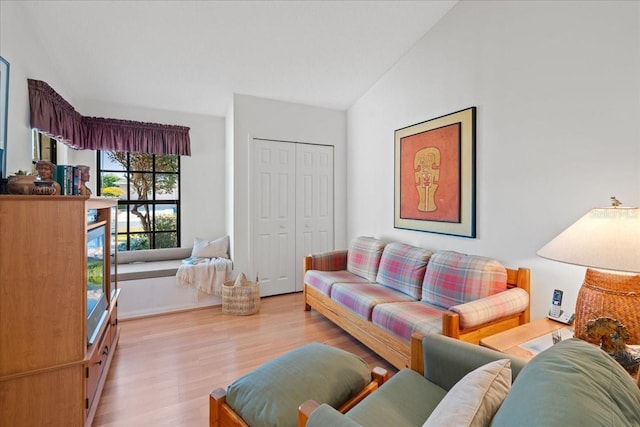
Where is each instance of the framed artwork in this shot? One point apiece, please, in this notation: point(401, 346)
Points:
point(4, 114)
point(435, 175)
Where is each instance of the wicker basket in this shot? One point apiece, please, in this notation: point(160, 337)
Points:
point(240, 300)
point(609, 295)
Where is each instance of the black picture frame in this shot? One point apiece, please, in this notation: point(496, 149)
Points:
point(4, 114)
point(435, 175)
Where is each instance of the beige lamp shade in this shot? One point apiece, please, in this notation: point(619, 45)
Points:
point(607, 238)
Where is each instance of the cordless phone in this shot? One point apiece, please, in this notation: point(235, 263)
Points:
point(556, 313)
point(556, 304)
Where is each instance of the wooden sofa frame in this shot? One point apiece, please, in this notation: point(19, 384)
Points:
point(222, 415)
point(394, 349)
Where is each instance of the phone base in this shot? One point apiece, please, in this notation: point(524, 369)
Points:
point(563, 318)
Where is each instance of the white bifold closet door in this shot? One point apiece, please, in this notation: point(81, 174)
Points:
point(291, 187)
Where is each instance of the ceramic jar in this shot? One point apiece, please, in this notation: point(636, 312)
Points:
point(20, 184)
point(43, 188)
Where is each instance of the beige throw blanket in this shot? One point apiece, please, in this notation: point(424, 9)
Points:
point(205, 274)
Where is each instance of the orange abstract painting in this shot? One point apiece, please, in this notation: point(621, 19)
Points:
point(430, 175)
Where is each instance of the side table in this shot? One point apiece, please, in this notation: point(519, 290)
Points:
point(509, 341)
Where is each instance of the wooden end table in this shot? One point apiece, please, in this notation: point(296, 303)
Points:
point(509, 341)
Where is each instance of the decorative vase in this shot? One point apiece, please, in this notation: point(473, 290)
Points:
point(43, 188)
point(20, 184)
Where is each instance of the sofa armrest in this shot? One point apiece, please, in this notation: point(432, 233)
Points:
point(322, 416)
point(326, 261)
point(446, 360)
point(487, 309)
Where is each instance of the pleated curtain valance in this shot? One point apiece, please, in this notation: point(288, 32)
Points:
point(53, 115)
point(135, 137)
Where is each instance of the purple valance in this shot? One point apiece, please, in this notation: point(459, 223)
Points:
point(136, 137)
point(52, 115)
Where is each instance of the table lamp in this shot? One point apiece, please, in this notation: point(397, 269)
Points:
point(605, 238)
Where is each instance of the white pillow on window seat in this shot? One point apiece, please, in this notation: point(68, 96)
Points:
point(217, 248)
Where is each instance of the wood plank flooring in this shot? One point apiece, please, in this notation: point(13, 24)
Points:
point(165, 366)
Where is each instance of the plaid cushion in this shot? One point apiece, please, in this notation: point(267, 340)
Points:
point(403, 319)
point(329, 261)
point(324, 280)
point(493, 307)
point(453, 278)
point(364, 257)
point(402, 268)
point(361, 298)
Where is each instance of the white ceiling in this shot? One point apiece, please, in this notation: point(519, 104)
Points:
point(191, 56)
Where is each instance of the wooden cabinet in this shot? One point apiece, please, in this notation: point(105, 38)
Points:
point(49, 375)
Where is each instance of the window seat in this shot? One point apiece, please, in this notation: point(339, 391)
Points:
point(147, 280)
point(150, 263)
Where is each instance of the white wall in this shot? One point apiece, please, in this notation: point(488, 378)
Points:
point(268, 119)
point(557, 86)
point(27, 60)
point(147, 297)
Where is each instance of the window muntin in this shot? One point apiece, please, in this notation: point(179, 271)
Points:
point(148, 189)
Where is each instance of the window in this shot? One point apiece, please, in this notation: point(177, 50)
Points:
point(43, 147)
point(148, 188)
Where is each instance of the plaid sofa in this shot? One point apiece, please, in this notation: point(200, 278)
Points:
point(382, 293)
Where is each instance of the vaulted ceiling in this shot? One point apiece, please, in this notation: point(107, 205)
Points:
point(191, 56)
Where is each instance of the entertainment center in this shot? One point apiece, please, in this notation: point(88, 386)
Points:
point(58, 307)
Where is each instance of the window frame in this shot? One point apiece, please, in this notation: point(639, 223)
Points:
point(125, 204)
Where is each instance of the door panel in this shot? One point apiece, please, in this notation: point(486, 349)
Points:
point(292, 195)
point(274, 224)
point(314, 203)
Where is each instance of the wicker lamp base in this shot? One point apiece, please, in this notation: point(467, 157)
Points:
point(609, 295)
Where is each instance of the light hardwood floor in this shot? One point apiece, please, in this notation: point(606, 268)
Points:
point(165, 366)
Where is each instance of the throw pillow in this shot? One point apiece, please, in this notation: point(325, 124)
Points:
point(454, 278)
point(474, 400)
point(217, 248)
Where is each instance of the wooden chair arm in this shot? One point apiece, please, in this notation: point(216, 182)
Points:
point(305, 410)
point(417, 356)
point(451, 324)
point(217, 398)
point(380, 375)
